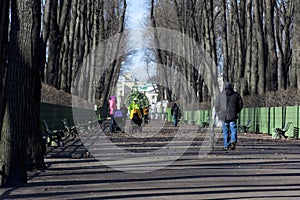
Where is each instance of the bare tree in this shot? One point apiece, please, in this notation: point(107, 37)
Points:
point(225, 42)
point(55, 34)
point(283, 38)
point(194, 22)
point(114, 26)
point(4, 21)
point(272, 61)
point(260, 57)
point(296, 41)
point(22, 89)
point(249, 51)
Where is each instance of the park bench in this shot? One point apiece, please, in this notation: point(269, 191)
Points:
point(104, 123)
point(206, 123)
point(103, 119)
point(193, 122)
point(70, 131)
point(280, 132)
point(296, 133)
point(52, 135)
point(245, 127)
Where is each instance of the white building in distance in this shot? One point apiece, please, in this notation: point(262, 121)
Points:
point(127, 83)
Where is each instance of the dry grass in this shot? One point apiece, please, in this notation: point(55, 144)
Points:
point(290, 97)
point(53, 96)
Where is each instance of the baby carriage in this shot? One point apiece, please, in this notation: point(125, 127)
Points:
point(119, 120)
point(136, 121)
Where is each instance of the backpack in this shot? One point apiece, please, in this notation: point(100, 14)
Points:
point(135, 113)
point(135, 117)
point(118, 113)
point(175, 111)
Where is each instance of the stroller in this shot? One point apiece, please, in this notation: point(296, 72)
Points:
point(136, 121)
point(119, 120)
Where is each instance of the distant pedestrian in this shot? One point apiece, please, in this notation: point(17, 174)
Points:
point(175, 114)
point(124, 111)
point(134, 105)
point(112, 108)
point(146, 114)
point(135, 112)
point(228, 105)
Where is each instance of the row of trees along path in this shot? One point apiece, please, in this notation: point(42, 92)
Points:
point(250, 43)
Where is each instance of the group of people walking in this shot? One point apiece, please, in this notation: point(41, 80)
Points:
point(136, 113)
point(228, 105)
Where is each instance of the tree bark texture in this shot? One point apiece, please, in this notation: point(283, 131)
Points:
point(22, 89)
point(249, 46)
point(272, 61)
point(296, 41)
point(4, 20)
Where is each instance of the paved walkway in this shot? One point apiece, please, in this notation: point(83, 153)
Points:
point(259, 168)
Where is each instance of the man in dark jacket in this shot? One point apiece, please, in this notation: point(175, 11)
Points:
point(228, 105)
point(175, 113)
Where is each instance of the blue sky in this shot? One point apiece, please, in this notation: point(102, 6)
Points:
point(136, 13)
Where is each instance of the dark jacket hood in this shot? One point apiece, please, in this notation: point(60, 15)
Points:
point(229, 91)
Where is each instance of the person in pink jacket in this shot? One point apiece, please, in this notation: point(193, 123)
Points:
point(112, 108)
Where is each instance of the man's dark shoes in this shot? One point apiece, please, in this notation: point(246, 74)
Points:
point(232, 146)
point(225, 148)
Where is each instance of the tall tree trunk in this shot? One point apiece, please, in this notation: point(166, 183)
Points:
point(51, 70)
point(158, 52)
point(249, 38)
point(36, 146)
point(121, 28)
point(45, 36)
point(101, 77)
point(239, 17)
point(254, 64)
point(261, 86)
point(272, 61)
point(225, 41)
point(76, 62)
point(71, 43)
point(56, 34)
point(279, 35)
point(296, 41)
point(241, 85)
point(21, 90)
point(64, 53)
point(4, 6)
point(211, 46)
point(64, 22)
point(232, 37)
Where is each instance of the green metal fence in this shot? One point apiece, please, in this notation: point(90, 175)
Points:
point(197, 117)
point(267, 119)
point(53, 114)
point(264, 120)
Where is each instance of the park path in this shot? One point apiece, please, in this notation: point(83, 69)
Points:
point(259, 168)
